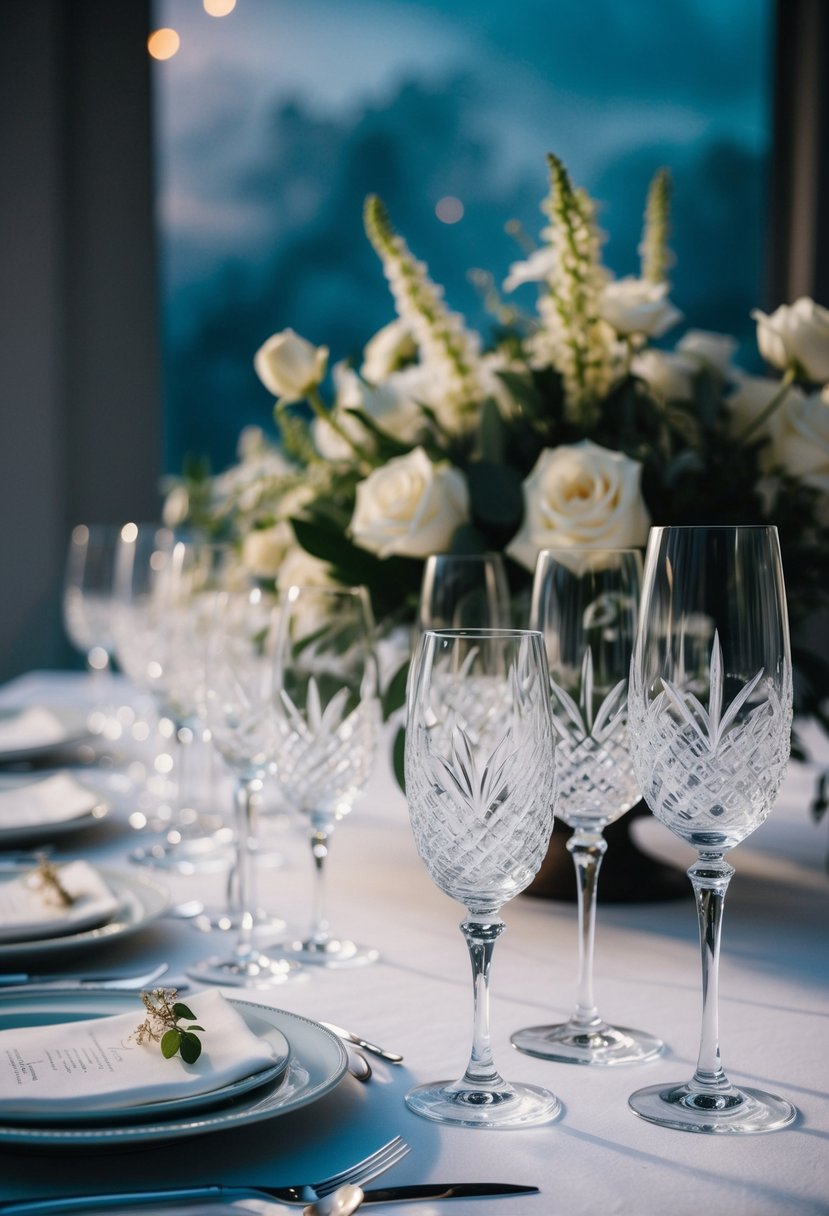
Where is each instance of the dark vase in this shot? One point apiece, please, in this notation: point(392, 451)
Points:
point(628, 875)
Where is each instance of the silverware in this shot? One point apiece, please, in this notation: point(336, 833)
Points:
point(363, 1171)
point(350, 1037)
point(67, 983)
point(389, 1194)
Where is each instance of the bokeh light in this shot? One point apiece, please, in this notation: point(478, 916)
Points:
point(163, 43)
point(449, 209)
point(218, 8)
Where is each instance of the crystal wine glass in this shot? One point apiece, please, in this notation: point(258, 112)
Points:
point(240, 700)
point(326, 720)
point(479, 784)
point(710, 709)
point(585, 602)
point(464, 591)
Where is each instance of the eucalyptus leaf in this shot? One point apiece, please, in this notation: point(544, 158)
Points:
point(170, 1042)
point(190, 1047)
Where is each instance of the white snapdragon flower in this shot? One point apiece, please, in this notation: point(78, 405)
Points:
point(289, 366)
point(447, 348)
point(636, 307)
point(581, 495)
point(409, 507)
point(668, 374)
point(796, 335)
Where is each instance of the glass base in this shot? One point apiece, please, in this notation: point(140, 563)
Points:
point(327, 952)
point(734, 1111)
point(508, 1106)
point(257, 970)
point(569, 1043)
point(226, 920)
point(181, 855)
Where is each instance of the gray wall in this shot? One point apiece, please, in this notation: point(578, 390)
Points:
point(80, 411)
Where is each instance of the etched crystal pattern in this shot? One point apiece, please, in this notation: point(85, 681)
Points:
point(712, 776)
point(596, 780)
point(480, 784)
point(324, 755)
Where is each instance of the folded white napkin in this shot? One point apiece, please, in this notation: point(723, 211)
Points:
point(96, 1065)
point(56, 799)
point(30, 728)
point(29, 912)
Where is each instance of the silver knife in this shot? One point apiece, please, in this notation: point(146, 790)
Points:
point(365, 1044)
point(386, 1194)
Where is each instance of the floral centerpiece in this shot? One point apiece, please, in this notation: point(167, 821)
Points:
point(572, 427)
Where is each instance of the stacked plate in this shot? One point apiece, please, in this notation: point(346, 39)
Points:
point(307, 1061)
point(32, 734)
point(116, 904)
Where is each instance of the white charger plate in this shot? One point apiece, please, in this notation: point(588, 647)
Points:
point(140, 900)
point(13, 835)
point(316, 1064)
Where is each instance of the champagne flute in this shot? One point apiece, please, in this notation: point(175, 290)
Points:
point(479, 784)
point(88, 589)
point(326, 724)
point(585, 602)
point(240, 699)
point(464, 591)
point(710, 708)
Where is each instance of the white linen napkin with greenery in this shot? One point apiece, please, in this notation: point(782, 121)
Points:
point(31, 909)
point(99, 1065)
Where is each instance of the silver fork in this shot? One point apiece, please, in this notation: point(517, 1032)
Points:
point(362, 1171)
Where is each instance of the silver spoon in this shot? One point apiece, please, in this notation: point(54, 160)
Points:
point(342, 1202)
point(358, 1065)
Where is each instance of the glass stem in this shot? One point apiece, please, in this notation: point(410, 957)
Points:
point(481, 936)
point(245, 867)
point(710, 876)
point(320, 837)
point(587, 850)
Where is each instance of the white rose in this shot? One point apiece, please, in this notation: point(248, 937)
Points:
point(668, 374)
point(802, 439)
point(714, 351)
point(387, 351)
point(301, 569)
point(581, 496)
point(635, 306)
point(409, 506)
point(391, 405)
point(264, 549)
point(289, 366)
point(751, 395)
point(796, 334)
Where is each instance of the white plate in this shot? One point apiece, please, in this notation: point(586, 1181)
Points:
point(140, 900)
point(163, 1108)
point(316, 1064)
point(73, 728)
point(13, 835)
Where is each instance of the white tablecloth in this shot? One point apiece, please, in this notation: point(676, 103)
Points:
point(598, 1157)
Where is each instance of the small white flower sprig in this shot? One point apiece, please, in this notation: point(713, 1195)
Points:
point(161, 1025)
